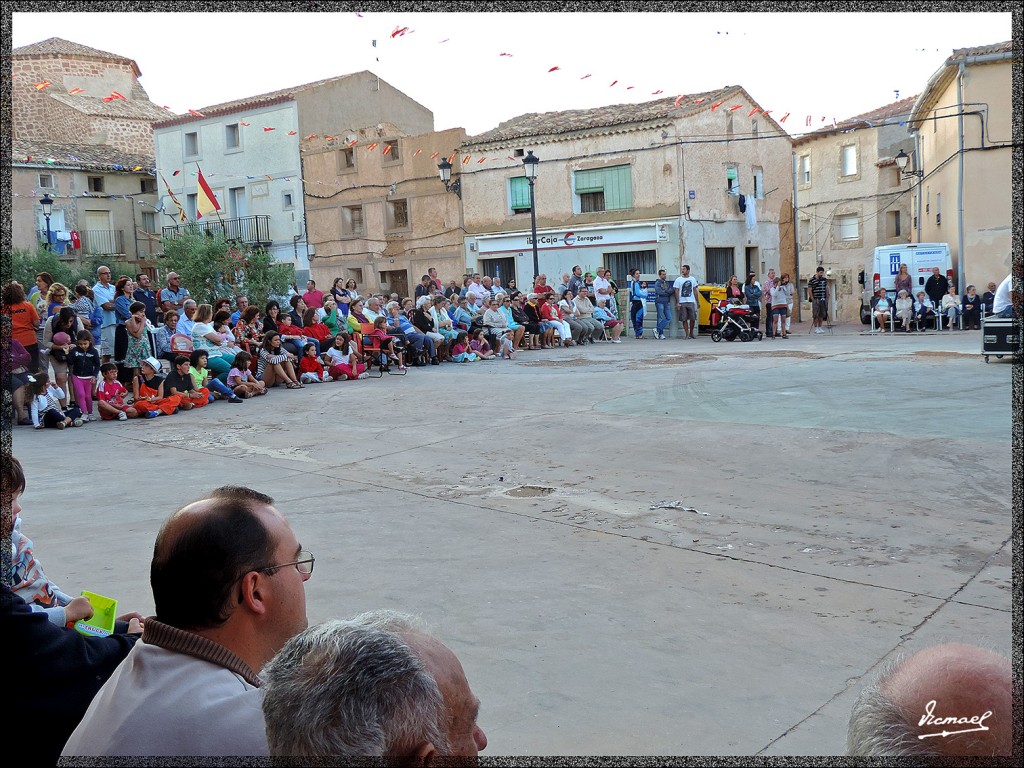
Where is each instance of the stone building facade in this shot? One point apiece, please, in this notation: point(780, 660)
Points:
point(382, 219)
point(851, 199)
point(55, 114)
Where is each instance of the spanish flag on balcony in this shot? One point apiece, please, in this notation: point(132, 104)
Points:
point(206, 201)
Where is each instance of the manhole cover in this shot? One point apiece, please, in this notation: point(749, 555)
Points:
point(527, 491)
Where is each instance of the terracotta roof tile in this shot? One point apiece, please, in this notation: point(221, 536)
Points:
point(85, 156)
point(57, 46)
point(890, 114)
point(135, 109)
point(568, 121)
point(980, 50)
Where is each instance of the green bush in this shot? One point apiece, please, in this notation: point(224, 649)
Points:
point(212, 268)
point(26, 264)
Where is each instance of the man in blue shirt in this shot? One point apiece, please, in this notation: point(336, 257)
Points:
point(104, 294)
point(242, 302)
point(147, 296)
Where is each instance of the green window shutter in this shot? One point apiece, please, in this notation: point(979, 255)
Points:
point(616, 183)
point(518, 193)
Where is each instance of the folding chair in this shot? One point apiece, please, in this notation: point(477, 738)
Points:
point(374, 354)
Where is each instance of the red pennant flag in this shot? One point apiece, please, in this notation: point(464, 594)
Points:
point(418, 151)
point(73, 91)
point(399, 31)
point(823, 119)
point(734, 107)
point(196, 113)
point(387, 149)
point(613, 83)
point(371, 147)
point(311, 136)
point(504, 54)
point(716, 105)
point(267, 130)
point(41, 85)
point(584, 77)
point(206, 201)
point(353, 142)
point(754, 111)
point(784, 117)
point(329, 138)
point(176, 173)
point(292, 133)
point(679, 100)
point(116, 95)
point(434, 155)
point(164, 107)
point(466, 159)
point(699, 101)
point(655, 93)
point(452, 156)
point(511, 158)
point(554, 69)
point(630, 87)
point(246, 125)
point(481, 160)
point(765, 111)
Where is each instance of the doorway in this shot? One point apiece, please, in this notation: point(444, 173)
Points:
point(753, 264)
point(395, 281)
point(505, 269)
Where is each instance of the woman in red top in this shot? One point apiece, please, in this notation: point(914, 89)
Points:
point(24, 320)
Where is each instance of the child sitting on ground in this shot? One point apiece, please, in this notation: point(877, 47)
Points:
point(110, 392)
point(49, 408)
point(461, 353)
point(200, 373)
point(242, 380)
point(481, 346)
point(311, 370)
point(343, 360)
point(149, 390)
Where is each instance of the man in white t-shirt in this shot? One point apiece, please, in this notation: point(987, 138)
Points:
point(603, 290)
point(477, 292)
point(1002, 304)
point(687, 299)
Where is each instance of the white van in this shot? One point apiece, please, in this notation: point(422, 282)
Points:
point(885, 262)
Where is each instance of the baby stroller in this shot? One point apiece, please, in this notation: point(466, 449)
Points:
point(731, 322)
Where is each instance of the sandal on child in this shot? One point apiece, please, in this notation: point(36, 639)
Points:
point(293, 385)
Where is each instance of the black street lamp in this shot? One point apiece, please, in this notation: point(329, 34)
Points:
point(47, 204)
point(530, 163)
point(445, 169)
point(901, 162)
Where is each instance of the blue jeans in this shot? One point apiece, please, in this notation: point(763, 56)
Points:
point(1008, 312)
point(664, 316)
point(216, 385)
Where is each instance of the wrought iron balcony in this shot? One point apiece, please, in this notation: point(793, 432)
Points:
point(253, 230)
point(95, 242)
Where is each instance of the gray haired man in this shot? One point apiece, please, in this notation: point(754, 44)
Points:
point(376, 685)
point(948, 700)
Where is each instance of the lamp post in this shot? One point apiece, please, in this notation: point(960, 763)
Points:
point(47, 204)
point(901, 162)
point(530, 163)
point(444, 168)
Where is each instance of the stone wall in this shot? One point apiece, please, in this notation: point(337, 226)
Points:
point(37, 115)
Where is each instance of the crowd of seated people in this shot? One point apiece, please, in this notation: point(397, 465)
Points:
point(170, 353)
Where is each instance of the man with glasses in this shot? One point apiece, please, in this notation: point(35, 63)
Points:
point(173, 296)
point(228, 578)
point(147, 296)
point(104, 294)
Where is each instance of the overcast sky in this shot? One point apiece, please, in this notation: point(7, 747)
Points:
point(819, 64)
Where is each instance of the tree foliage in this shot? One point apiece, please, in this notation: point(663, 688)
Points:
point(212, 268)
point(26, 264)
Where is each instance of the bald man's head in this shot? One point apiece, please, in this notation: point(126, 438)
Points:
point(947, 700)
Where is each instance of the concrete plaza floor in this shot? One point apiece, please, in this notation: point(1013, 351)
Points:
point(651, 548)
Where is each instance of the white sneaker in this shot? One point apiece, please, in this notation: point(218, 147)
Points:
point(364, 375)
point(122, 416)
point(616, 341)
point(818, 330)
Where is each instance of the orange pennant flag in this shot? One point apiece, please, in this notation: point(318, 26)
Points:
point(482, 160)
point(466, 159)
point(246, 125)
point(73, 91)
point(754, 111)
point(196, 113)
point(116, 95)
point(716, 105)
point(418, 151)
point(434, 155)
point(41, 85)
point(387, 149)
point(371, 147)
point(734, 107)
point(311, 136)
point(353, 142)
point(679, 99)
point(452, 156)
